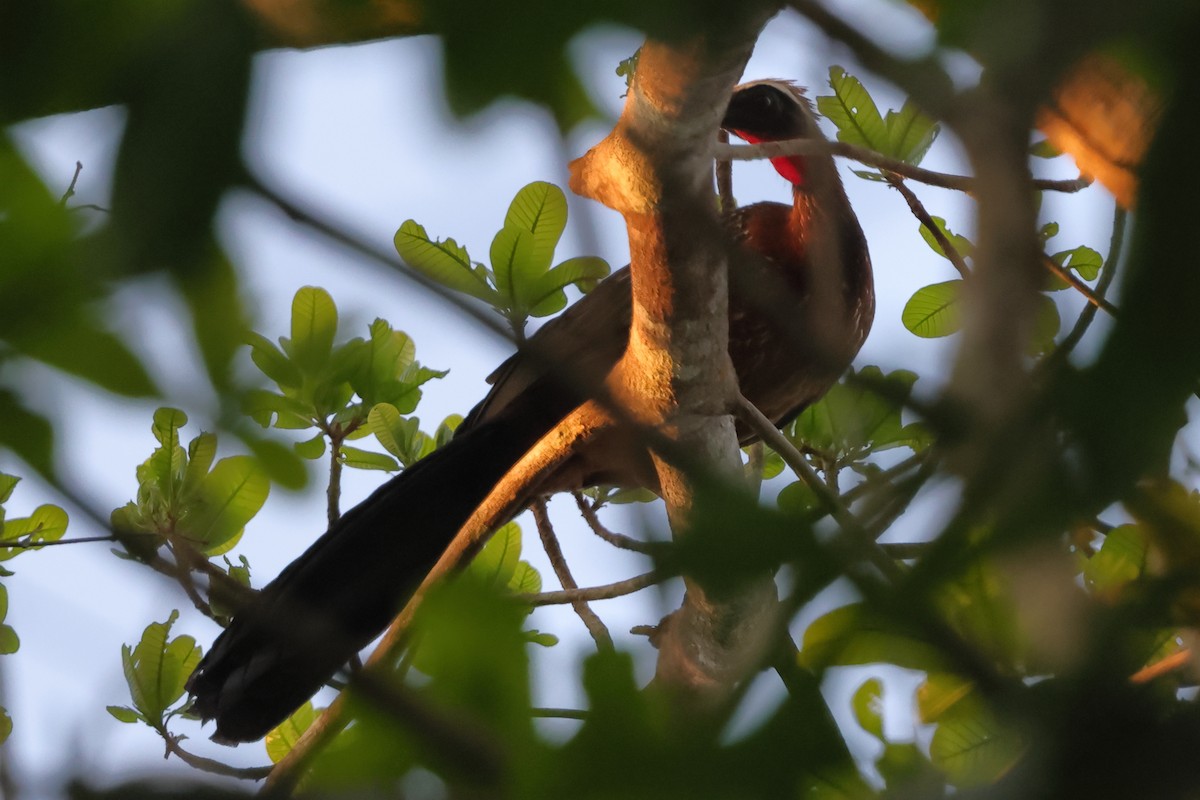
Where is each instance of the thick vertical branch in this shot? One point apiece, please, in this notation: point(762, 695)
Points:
point(655, 168)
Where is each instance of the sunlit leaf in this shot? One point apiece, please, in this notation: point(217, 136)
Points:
point(271, 360)
point(444, 262)
point(157, 668)
point(853, 111)
point(938, 692)
point(283, 737)
point(233, 493)
point(541, 209)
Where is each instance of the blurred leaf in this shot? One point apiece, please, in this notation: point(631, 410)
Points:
point(1043, 149)
point(867, 703)
point(82, 347)
point(27, 434)
point(177, 159)
point(282, 464)
point(938, 692)
point(972, 746)
point(7, 484)
point(6, 725)
point(273, 363)
point(1120, 560)
point(855, 418)
point(935, 310)
point(851, 635)
point(283, 738)
point(907, 772)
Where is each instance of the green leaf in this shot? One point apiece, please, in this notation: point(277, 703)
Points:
point(540, 209)
point(232, 494)
point(547, 296)
point(312, 448)
point(267, 408)
point(444, 262)
point(47, 523)
point(365, 459)
point(158, 668)
point(939, 692)
point(964, 246)
point(512, 264)
point(935, 310)
point(972, 746)
point(497, 561)
point(910, 133)
point(858, 416)
point(281, 463)
point(1043, 149)
point(27, 434)
point(283, 738)
point(540, 638)
point(314, 324)
point(81, 347)
point(525, 579)
point(1120, 560)
point(9, 641)
point(201, 452)
point(797, 498)
point(867, 703)
point(124, 714)
point(6, 725)
point(386, 356)
point(7, 484)
point(850, 635)
point(166, 425)
point(273, 363)
point(853, 111)
point(1047, 323)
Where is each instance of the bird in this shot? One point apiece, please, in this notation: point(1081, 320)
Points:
point(329, 603)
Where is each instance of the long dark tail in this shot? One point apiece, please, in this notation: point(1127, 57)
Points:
point(346, 588)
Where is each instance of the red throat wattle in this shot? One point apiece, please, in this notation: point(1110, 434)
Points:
point(790, 167)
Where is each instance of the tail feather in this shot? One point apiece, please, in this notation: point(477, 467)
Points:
point(345, 589)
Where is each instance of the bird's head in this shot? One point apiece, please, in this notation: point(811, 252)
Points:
point(772, 111)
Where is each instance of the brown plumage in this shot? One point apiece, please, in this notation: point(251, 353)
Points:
point(801, 303)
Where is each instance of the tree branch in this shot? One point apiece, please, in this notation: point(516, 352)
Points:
point(558, 562)
point(864, 155)
point(606, 592)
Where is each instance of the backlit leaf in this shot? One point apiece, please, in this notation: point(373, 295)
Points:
point(444, 262)
point(935, 310)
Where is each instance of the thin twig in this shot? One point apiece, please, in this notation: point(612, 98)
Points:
point(1065, 274)
point(1109, 271)
point(70, 192)
point(21, 544)
point(618, 540)
point(210, 765)
point(859, 538)
point(606, 592)
point(333, 493)
point(559, 713)
point(918, 209)
point(905, 551)
point(558, 562)
point(863, 155)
